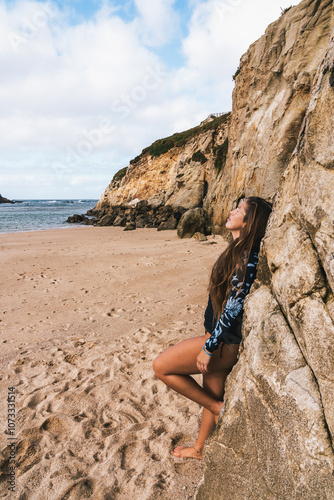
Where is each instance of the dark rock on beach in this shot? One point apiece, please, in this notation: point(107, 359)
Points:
point(193, 221)
point(107, 220)
point(170, 223)
point(76, 218)
point(129, 226)
point(140, 215)
point(6, 200)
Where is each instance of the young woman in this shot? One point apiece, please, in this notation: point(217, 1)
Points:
point(231, 278)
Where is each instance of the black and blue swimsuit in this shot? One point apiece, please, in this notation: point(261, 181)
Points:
point(228, 327)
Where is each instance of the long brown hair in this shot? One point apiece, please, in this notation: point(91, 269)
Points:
point(235, 257)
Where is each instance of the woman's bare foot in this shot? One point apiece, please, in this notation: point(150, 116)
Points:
point(187, 452)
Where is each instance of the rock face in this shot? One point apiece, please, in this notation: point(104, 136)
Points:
point(272, 94)
point(246, 152)
point(272, 441)
point(276, 432)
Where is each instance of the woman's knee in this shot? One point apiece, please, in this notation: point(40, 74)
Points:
point(158, 366)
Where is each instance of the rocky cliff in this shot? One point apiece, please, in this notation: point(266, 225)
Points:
point(173, 171)
point(273, 90)
point(245, 152)
point(171, 176)
point(275, 436)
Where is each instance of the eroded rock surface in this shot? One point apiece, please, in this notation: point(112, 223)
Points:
point(275, 437)
point(191, 222)
point(272, 441)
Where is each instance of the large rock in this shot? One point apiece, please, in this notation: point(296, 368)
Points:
point(106, 220)
point(169, 224)
point(76, 218)
point(120, 221)
point(129, 226)
point(193, 221)
point(273, 435)
point(276, 433)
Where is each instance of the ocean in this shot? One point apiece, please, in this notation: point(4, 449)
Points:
point(37, 215)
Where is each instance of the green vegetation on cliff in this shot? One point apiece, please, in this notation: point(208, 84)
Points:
point(162, 146)
point(199, 157)
point(220, 153)
point(119, 175)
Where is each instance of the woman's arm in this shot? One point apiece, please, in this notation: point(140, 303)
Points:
point(233, 307)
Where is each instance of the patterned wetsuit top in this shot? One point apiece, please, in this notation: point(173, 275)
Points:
point(228, 328)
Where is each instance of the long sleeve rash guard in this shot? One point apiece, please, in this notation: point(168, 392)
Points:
point(225, 330)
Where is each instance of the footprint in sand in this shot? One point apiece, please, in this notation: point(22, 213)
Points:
point(107, 413)
point(84, 488)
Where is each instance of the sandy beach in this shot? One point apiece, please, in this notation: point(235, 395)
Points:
point(84, 311)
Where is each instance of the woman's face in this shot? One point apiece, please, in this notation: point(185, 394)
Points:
point(235, 222)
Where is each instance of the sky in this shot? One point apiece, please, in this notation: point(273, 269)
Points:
point(86, 85)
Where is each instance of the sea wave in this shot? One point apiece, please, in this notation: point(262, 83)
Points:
point(35, 215)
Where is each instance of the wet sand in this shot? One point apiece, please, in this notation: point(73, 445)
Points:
point(84, 311)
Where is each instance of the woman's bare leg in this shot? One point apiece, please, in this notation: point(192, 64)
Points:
point(174, 367)
point(214, 383)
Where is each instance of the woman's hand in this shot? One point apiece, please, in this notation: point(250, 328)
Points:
point(203, 361)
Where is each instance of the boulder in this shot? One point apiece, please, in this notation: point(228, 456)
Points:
point(129, 226)
point(191, 222)
point(120, 221)
point(200, 237)
point(141, 222)
point(93, 212)
point(170, 223)
point(76, 219)
point(107, 220)
point(90, 222)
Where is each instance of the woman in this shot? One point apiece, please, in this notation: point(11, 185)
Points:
point(231, 278)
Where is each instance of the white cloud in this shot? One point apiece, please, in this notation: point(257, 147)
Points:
point(220, 31)
point(66, 80)
point(158, 22)
point(90, 95)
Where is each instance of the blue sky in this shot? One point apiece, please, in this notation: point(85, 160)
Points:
point(86, 85)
